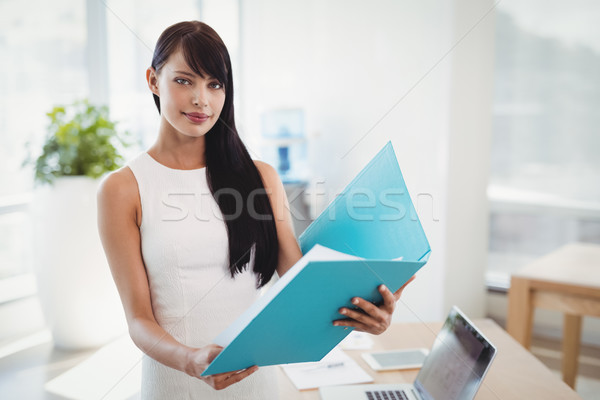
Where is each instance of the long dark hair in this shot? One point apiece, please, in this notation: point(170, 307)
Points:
point(231, 173)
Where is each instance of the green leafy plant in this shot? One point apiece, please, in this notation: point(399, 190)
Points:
point(81, 140)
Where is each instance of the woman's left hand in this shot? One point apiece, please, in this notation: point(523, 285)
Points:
point(371, 318)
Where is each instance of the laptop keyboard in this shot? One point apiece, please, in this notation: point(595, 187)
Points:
point(386, 395)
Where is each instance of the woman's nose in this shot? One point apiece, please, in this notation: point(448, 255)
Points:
point(200, 98)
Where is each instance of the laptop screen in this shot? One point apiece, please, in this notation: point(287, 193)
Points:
point(457, 362)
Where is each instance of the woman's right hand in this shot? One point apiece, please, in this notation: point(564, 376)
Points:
point(198, 361)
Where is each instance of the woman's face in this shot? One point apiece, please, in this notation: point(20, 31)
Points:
point(188, 102)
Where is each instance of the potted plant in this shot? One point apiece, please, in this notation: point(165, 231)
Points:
point(81, 141)
point(76, 292)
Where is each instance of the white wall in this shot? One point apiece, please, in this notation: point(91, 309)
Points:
point(468, 153)
point(363, 73)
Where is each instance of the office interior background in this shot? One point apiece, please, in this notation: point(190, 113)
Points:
point(492, 108)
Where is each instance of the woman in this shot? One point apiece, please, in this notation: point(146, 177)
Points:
point(193, 226)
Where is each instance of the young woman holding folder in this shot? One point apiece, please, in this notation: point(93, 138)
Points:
point(192, 226)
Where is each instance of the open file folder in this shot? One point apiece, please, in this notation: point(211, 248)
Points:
point(369, 235)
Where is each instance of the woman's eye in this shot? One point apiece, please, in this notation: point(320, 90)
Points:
point(182, 81)
point(216, 85)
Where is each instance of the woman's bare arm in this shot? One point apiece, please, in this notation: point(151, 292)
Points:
point(289, 251)
point(119, 216)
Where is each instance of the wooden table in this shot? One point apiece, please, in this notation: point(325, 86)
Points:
point(514, 374)
point(566, 280)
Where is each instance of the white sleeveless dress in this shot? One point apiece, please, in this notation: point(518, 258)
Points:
point(185, 250)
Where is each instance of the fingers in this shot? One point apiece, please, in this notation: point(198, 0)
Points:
point(225, 379)
point(363, 318)
point(378, 313)
point(389, 300)
point(369, 325)
point(213, 352)
point(239, 375)
point(351, 323)
point(369, 311)
point(374, 319)
point(398, 292)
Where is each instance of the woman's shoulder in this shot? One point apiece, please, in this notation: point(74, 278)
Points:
point(272, 183)
point(119, 186)
point(263, 165)
point(268, 173)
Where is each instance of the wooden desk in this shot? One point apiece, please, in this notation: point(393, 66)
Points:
point(566, 280)
point(514, 374)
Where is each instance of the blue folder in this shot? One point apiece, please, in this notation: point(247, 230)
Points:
point(368, 235)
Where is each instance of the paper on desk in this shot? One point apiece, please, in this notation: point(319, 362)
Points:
point(336, 368)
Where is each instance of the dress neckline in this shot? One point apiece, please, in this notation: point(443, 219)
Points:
point(169, 168)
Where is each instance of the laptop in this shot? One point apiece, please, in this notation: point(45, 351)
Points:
point(454, 369)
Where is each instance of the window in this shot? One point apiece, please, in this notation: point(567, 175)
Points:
point(544, 189)
point(43, 64)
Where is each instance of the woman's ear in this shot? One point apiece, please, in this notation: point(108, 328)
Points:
point(152, 79)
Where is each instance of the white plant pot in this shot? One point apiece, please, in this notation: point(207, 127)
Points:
point(78, 297)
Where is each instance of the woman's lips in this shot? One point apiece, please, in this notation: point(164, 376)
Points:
point(196, 118)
